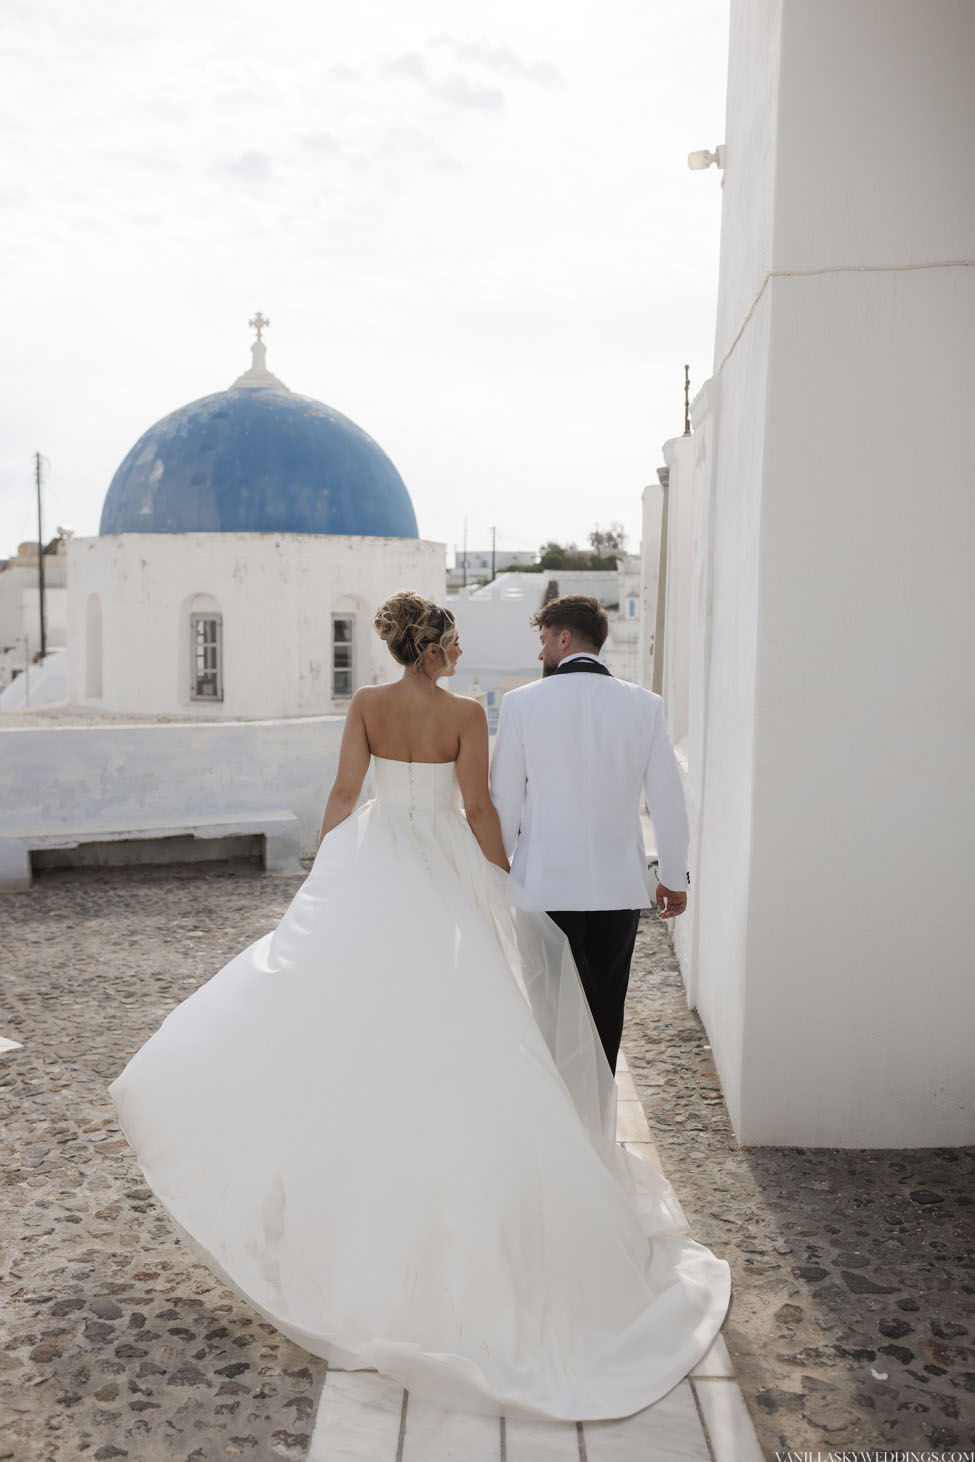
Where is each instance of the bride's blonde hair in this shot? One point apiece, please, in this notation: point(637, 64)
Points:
point(408, 623)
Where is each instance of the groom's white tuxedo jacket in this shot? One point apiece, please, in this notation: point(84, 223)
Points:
point(574, 753)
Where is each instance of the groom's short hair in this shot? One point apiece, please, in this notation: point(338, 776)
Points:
point(584, 616)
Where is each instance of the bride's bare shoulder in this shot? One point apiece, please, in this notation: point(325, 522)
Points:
point(373, 692)
point(466, 707)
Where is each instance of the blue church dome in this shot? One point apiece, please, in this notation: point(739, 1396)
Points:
point(258, 459)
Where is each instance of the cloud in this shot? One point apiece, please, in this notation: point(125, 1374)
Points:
point(453, 88)
point(251, 166)
point(458, 91)
point(320, 142)
point(499, 58)
point(411, 65)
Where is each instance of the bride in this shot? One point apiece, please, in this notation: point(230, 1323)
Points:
point(389, 1124)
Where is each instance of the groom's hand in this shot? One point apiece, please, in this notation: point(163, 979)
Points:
point(670, 903)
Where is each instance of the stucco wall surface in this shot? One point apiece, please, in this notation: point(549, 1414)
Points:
point(751, 148)
point(679, 455)
point(872, 163)
point(722, 731)
point(834, 735)
point(864, 800)
point(276, 594)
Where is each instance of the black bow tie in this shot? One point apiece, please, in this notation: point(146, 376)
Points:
point(592, 667)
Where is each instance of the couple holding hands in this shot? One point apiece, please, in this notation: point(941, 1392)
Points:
point(389, 1124)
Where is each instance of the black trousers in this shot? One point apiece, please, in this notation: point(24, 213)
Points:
point(602, 943)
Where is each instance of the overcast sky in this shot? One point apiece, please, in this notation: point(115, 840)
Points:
point(473, 230)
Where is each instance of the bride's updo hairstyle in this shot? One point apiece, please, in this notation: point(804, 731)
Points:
point(409, 623)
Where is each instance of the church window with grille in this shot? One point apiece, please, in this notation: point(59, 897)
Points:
point(343, 627)
point(206, 637)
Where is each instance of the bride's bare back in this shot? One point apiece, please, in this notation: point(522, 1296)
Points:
point(410, 721)
point(414, 720)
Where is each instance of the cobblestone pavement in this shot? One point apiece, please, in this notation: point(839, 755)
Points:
point(852, 1321)
point(117, 1344)
point(854, 1304)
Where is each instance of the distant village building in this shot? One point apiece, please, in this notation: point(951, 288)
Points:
point(20, 619)
point(501, 647)
point(478, 566)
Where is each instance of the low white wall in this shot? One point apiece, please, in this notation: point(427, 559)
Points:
point(92, 776)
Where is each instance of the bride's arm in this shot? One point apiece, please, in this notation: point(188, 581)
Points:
point(472, 774)
point(353, 765)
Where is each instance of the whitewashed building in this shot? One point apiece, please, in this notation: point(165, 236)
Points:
point(217, 627)
point(819, 626)
point(501, 647)
point(20, 617)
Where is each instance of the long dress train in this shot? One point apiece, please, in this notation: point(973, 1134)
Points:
point(389, 1126)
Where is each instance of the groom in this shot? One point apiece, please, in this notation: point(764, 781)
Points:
point(574, 751)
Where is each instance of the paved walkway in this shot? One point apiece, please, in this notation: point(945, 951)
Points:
point(363, 1417)
point(853, 1309)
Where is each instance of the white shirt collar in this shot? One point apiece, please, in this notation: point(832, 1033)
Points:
point(580, 655)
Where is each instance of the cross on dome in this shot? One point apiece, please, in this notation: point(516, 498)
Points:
point(258, 378)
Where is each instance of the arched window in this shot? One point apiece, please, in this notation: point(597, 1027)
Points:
point(206, 656)
point(93, 648)
point(199, 659)
point(343, 655)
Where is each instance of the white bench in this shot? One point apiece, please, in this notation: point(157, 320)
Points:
point(281, 832)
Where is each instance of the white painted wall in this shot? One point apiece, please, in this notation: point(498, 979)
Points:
point(651, 504)
point(679, 455)
point(277, 594)
point(831, 710)
point(96, 776)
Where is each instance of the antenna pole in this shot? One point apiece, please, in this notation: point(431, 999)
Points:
point(40, 552)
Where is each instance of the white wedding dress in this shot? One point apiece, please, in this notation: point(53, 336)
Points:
point(389, 1126)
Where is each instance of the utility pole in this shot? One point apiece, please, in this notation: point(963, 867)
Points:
point(465, 553)
point(40, 553)
point(494, 543)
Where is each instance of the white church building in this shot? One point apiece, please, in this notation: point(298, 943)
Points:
point(217, 627)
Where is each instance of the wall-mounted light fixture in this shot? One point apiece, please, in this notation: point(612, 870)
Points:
point(697, 161)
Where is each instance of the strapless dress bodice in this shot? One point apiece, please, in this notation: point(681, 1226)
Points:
point(416, 786)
